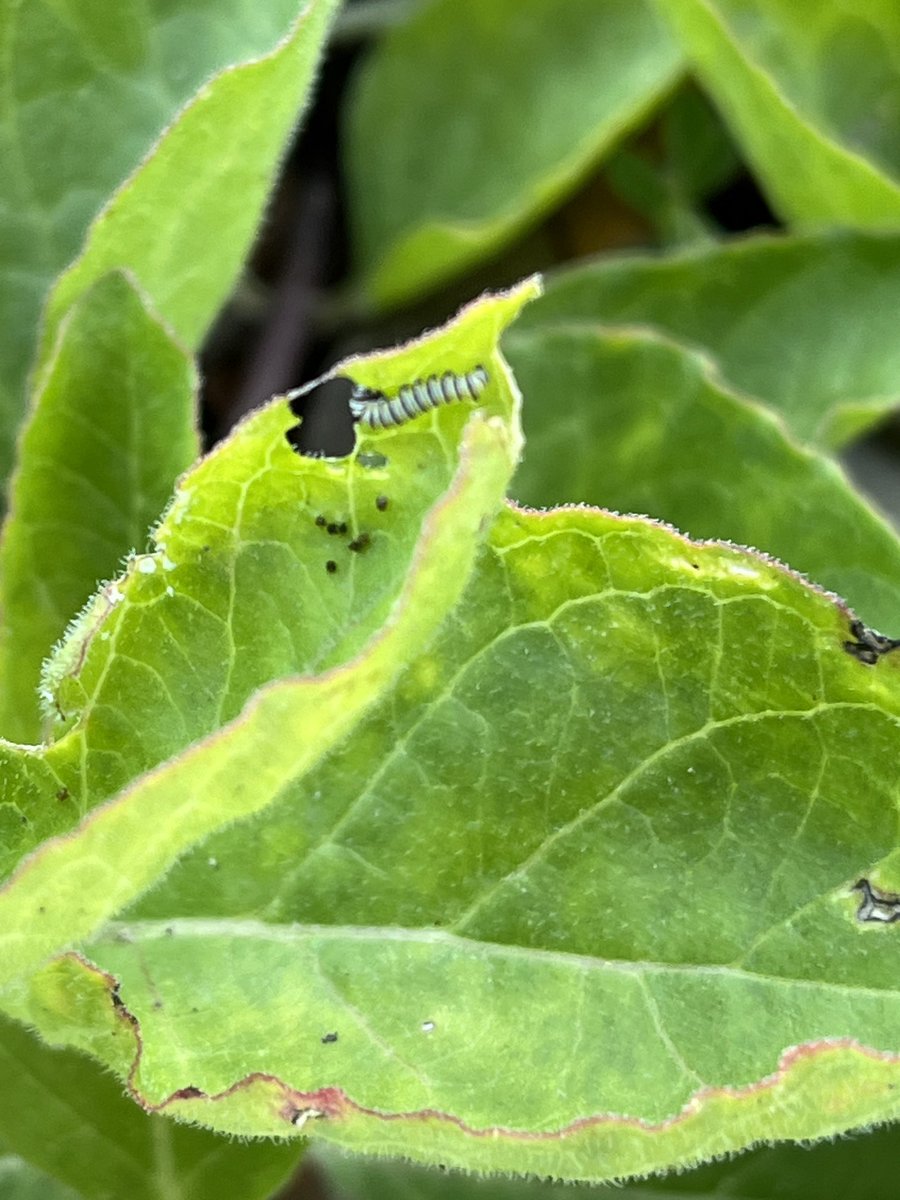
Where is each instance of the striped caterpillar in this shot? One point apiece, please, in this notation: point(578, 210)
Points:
point(379, 411)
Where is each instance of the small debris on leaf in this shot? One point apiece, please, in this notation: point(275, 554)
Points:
point(883, 907)
point(302, 1115)
point(869, 645)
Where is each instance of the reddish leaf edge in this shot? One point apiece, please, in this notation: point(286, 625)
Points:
point(817, 1089)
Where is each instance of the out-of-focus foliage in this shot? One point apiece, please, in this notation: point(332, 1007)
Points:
point(343, 797)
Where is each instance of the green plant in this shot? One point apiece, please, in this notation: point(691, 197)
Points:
point(360, 804)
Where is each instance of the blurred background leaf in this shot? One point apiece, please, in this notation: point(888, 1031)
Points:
point(69, 1118)
point(472, 120)
point(89, 88)
point(812, 92)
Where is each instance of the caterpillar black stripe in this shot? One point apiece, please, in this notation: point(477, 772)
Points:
point(379, 411)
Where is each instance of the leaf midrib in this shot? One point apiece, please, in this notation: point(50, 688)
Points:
point(177, 929)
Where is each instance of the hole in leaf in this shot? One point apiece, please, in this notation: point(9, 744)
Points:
point(875, 905)
point(326, 428)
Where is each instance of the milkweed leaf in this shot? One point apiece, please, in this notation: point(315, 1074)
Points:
point(461, 75)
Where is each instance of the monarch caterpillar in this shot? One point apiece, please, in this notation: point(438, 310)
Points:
point(379, 411)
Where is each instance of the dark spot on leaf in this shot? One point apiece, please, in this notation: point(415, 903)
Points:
point(875, 905)
point(205, 549)
point(320, 520)
point(170, 932)
point(117, 1001)
point(157, 1004)
point(41, 909)
point(331, 566)
point(62, 794)
point(342, 528)
point(332, 527)
point(187, 1093)
point(696, 566)
point(869, 645)
point(361, 542)
point(381, 503)
point(328, 1038)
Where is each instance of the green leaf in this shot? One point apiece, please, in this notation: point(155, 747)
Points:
point(668, 184)
point(650, 192)
point(205, 183)
point(805, 324)
point(812, 92)
point(111, 430)
point(472, 120)
point(522, 842)
point(89, 87)
point(456, 894)
point(699, 154)
point(854, 1169)
point(355, 1177)
point(634, 422)
point(65, 1116)
point(257, 576)
point(19, 1180)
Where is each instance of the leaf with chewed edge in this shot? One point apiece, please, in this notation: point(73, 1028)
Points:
point(577, 897)
point(225, 662)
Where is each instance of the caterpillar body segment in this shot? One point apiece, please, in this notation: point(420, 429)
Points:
point(379, 411)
